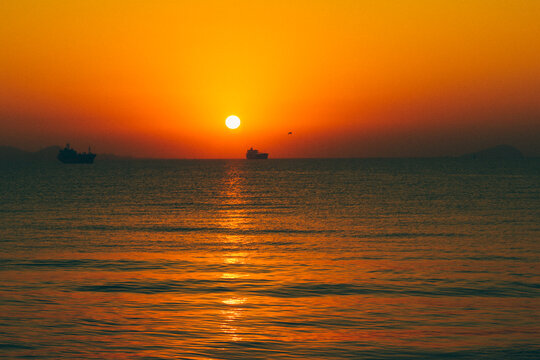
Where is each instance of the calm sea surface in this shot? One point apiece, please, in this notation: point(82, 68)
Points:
point(277, 259)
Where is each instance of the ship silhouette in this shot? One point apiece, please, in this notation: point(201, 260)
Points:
point(253, 154)
point(68, 155)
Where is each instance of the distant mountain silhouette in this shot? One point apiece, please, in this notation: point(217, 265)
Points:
point(114, 157)
point(47, 154)
point(12, 154)
point(9, 153)
point(499, 152)
point(50, 153)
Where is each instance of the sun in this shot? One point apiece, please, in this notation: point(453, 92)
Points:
point(232, 122)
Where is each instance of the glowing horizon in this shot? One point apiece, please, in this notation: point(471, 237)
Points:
point(347, 78)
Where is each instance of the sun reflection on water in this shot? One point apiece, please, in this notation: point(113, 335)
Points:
point(233, 275)
point(229, 324)
point(235, 258)
point(234, 301)
point(232, 316)
point(233, 216)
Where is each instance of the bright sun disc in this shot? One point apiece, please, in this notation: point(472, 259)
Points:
point(232, 122)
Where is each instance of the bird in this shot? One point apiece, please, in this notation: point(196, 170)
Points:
point(290, 133)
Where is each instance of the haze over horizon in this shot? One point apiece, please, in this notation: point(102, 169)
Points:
point(348, 78)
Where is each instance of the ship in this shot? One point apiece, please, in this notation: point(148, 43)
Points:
point(253, 154)
point(68, 155)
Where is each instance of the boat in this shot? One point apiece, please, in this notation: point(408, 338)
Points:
point(68, 155)
point(253, 154)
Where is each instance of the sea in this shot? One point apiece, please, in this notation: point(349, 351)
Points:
point(270, 259)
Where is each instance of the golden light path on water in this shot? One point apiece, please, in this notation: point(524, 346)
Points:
point(233, 217)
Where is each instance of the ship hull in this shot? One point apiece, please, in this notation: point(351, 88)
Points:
point(260, 156)
point(79, 159)
point(253, 154)
point(70, 156)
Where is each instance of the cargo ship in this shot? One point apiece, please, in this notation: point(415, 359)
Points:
point(68, 155)
point(253, 154)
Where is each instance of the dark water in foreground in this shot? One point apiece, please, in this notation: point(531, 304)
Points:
point(277, 259)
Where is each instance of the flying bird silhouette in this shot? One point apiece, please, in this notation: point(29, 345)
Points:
point(290, 133)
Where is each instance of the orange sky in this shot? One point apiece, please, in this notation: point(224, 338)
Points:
point(347, 77)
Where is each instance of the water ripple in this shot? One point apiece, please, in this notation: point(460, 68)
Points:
point(297, 290)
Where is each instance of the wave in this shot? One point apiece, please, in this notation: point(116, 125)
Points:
point(257, 231)
point(209, 229)
point(86, 264)
point(298, 290)
point(124, 265)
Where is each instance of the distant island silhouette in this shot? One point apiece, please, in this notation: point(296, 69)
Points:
point(499, 152)
point(50, 153)
point(13, 154)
